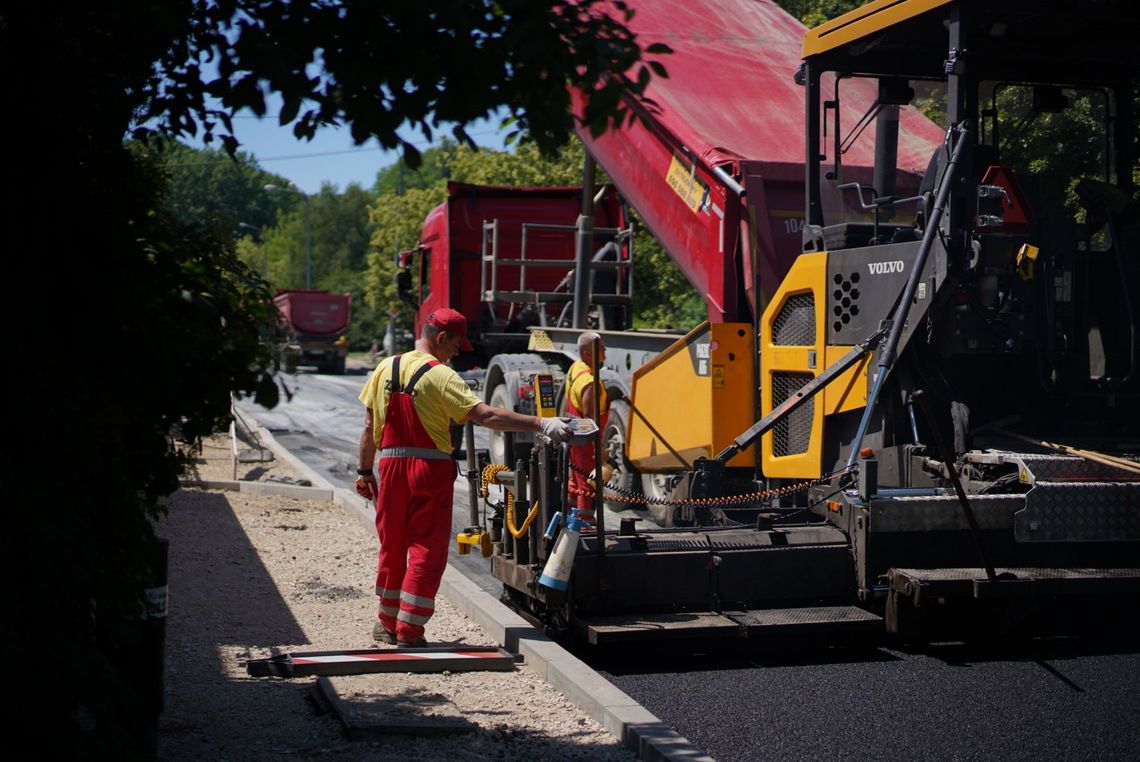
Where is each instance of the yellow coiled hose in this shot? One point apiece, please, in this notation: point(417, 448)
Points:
point(488, 477)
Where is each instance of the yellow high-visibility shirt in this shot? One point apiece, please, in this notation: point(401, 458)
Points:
point(579, 377)
point(441, 397)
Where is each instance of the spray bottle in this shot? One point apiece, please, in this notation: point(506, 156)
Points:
point(556, 573)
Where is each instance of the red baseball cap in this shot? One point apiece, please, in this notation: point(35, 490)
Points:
point(452, 322)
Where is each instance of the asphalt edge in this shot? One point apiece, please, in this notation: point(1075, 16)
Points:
point(639, 730)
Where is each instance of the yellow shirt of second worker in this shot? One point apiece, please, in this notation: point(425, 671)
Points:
point(441, 397)
point(579, 377)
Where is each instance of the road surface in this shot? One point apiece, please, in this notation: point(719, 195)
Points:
point(1042, 700)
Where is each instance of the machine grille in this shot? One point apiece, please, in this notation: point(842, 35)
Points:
point(795, 325)
point(792, 433)
point(845, 300)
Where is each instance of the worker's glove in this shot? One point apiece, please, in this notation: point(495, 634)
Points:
point(607, 474)
point(557, 430)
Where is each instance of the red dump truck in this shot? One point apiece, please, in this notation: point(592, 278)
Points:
point(316, 321)
point(505, 258)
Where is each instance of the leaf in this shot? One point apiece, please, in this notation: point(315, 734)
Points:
point(289, 111)
point(412, 156)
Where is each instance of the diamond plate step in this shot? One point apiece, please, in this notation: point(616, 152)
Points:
point(809, 619)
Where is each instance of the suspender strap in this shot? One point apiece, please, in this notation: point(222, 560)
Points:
point(394, 381)
point(419, 374)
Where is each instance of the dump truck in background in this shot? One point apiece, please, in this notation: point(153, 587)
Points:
point(316, 322)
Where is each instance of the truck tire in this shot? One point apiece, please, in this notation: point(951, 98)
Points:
point(501, 443)
point(337, 366)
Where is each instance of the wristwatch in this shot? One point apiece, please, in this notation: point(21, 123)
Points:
point(364, 472)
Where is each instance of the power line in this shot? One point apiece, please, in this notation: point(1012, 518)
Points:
point(318, 154)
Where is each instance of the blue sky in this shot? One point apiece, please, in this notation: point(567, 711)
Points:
point(331, 156)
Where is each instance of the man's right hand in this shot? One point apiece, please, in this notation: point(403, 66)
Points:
point(366, 486)
point(556, 429)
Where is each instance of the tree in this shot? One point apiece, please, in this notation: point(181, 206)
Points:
point(396, 222)
point(164, 320)
point(814, 12)
point(435, 165)
point(209, 184)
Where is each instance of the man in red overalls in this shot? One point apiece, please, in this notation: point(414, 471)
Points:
point(411, 401)
point(580, 404)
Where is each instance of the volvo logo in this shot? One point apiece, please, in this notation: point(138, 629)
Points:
point(885, 268)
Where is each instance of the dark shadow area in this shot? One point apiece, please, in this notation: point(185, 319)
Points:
point(1028, 649)
point(220, 593)
point(711, 655)
point(252, 474)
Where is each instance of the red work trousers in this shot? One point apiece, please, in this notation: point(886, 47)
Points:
point(582, 456)
point(413, 521)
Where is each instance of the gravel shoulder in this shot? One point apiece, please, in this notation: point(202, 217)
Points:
point(251, 574)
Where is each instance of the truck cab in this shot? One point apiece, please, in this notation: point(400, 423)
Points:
point(505, 258)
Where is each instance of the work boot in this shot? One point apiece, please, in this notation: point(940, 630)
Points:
point(420, 643)
point(380, 635)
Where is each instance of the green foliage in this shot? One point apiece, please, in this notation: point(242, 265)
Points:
point(167, 323)
point(814, 12)
point(525, 166)
point(662, 295)
point(165, 320)
point(396, 223)
point(208, 184)
point(382, 65)
point(1056, 149)
point(435, 165)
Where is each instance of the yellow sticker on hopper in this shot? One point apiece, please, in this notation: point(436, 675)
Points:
point(685, 184)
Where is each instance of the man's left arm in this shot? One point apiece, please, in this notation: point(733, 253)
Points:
point(588, 403)
point(366, 482)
